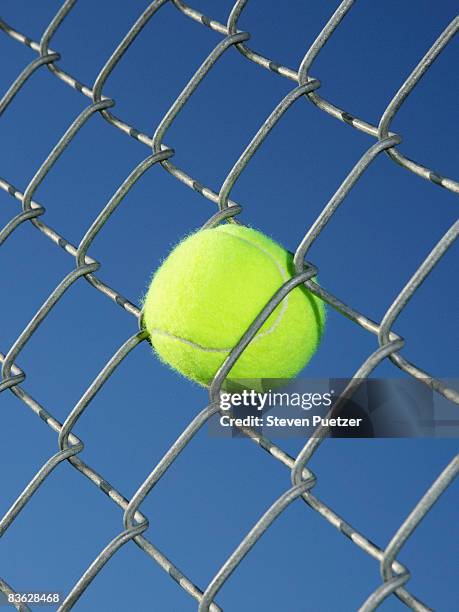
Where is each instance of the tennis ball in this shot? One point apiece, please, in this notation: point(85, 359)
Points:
point(210, 289)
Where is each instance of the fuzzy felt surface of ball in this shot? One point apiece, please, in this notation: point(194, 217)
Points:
point(208, 291)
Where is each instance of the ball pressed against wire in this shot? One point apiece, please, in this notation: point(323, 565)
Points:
point(209, 290)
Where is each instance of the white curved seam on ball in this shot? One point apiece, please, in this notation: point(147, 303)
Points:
point(206, 349)
point(284, 277)
point(259, 335)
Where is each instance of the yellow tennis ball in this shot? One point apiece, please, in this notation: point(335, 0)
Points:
point(210, 289)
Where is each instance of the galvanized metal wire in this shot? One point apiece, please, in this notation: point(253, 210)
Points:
point(394, 576)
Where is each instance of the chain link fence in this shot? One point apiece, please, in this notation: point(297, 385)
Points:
point(394, 575)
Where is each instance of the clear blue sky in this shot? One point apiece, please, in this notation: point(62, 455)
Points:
point(217, 489)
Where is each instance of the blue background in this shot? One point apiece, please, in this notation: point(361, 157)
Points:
point(217, 489)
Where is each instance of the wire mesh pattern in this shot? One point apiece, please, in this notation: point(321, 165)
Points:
point(394, 575)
